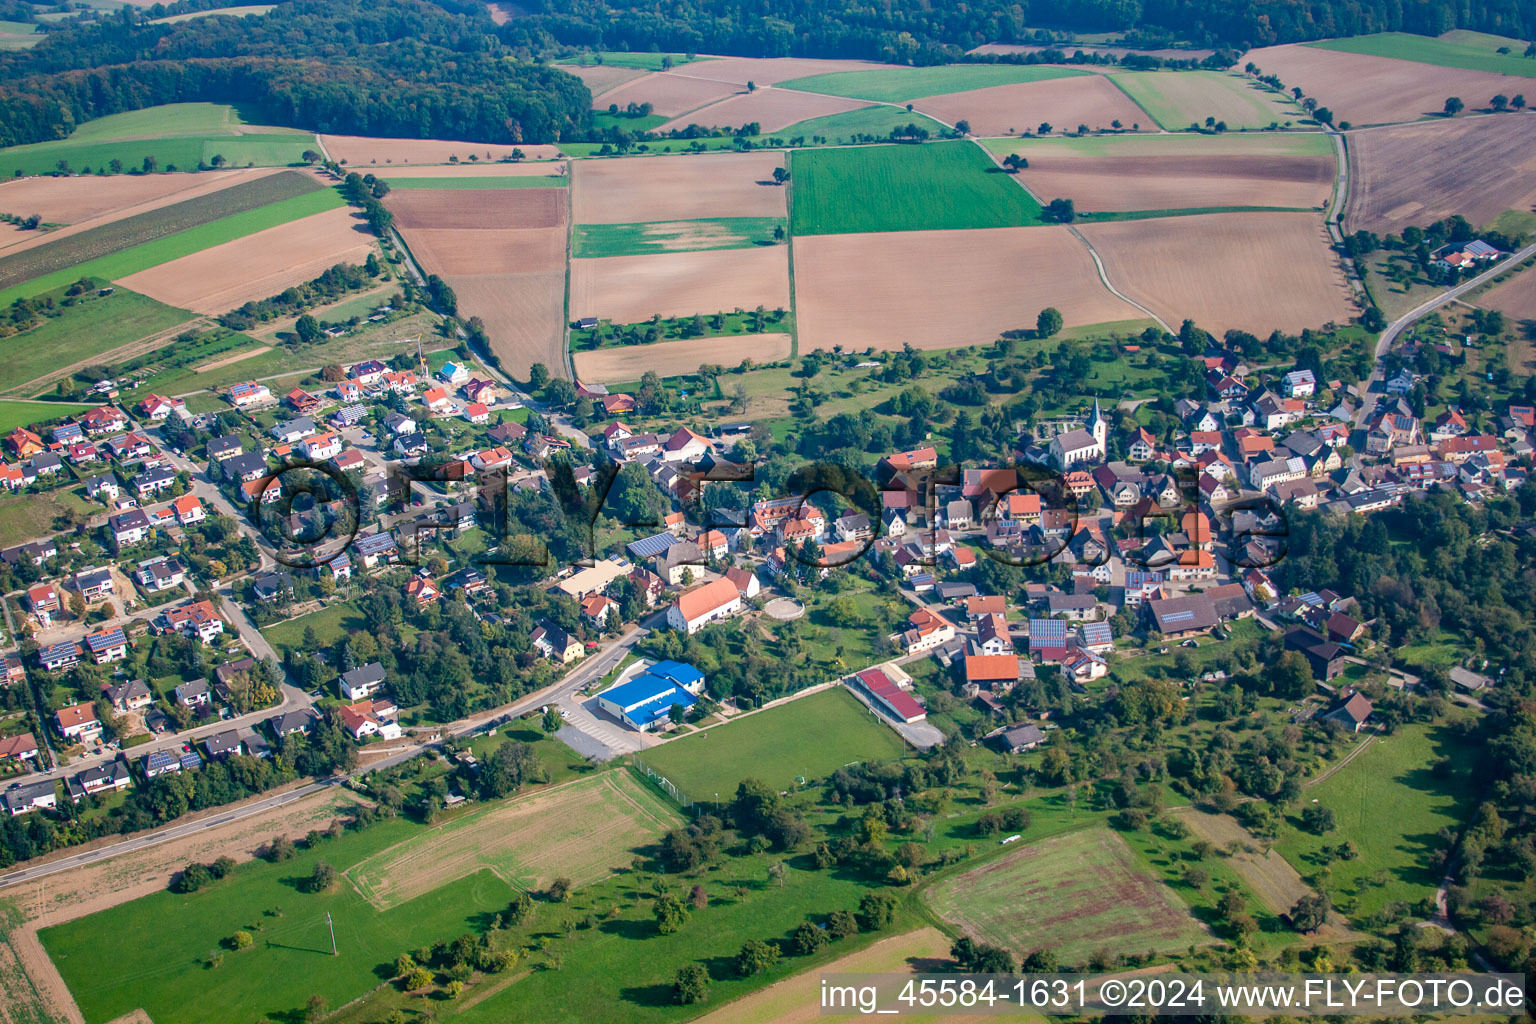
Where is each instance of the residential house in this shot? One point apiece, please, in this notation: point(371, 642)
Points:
point(107, 645)
point(196, 619)
point(362, 682)
point(77, 722)
point(554, 643)
point(193, 694)
point(133, 695)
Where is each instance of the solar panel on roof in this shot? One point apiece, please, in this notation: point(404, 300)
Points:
point(1173, 617)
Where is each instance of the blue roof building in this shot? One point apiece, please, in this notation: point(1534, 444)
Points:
point(648, 547)
point(647, 700)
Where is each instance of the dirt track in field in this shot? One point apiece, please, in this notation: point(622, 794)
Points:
point(677, 188)
point(670, 358)
point(628, 289)
point(363, 152)
point(257, 266)
point(943, 289)
point(1063, 102)
point(1378, 90)
point(1256, 272)
point(1420, 173)
point(772, 109)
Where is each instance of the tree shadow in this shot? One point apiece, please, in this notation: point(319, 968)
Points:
point(649, 995)
point(628, 928)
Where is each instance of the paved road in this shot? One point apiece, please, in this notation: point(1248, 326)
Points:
point(1371, 395)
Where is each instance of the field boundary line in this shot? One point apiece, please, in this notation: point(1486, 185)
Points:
point(789, 240)
point(1104, 279)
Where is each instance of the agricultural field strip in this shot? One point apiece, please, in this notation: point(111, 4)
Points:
point(71, 252)
point(1439, 52)
point(674, 236)
point(182, 243)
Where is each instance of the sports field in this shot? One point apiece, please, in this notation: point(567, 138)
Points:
point(94, 325)
point(1177, 99)
point(179, 135)
point(898, 85)
point(1472, 51)
point(163, 968)
point(810, 737)
point(181, 243)
point(675, 236)
point(581, 830)
point(1390, 803)
point(1075, 894)
point(903, 188)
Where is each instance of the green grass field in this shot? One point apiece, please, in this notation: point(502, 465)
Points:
point(182, 243)
point(183, 134)
point(22, 414)
point(93, 325)
point(903, 188)
point(291, 959)
point(234, 12)
point(567, 831)
point(899, 85)
point(65, 254)
point(330, 624)
point(508, 181)
point(1472, 51)
point(621, 59)
point(1075, 893)
point(1177, 99)
point(813, 737)
point(25, 517)
point(1390, 803)
point(675, 236)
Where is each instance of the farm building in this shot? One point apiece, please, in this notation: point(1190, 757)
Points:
point(647, 700)
point(702, 605)
point(887, 696)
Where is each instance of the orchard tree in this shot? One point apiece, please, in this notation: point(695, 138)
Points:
point(1453, 106)
point(691, 985)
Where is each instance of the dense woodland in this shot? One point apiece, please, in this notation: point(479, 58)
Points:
point(911, 31)
point(401, 68)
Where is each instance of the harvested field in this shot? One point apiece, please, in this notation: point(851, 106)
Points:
point(1256, 272)
point(524, 315)
point(1378, 90)
point(1475, 51)
point(1161, 172)
point(66, 253)
point(1515, 296)
point(1177, 99)
point(500, 169)
point(599, 78)
point(451, 251)
point(478, 209)
point(628, 289)
point(660, 188)
point(360, 150)
point(1417, 174)
point(1075, 893)
point(673, 358)
point(580, 830)
point(257, 266)
point(80, 198)
point(670, 93)
point(771, 108)
point(893, 84)
point(1064, 102)
point(943, 289)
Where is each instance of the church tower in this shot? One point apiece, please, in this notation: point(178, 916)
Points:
point(1098, 427)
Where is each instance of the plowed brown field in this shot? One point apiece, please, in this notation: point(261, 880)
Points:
point(770, 70)
point(478, 209)
point(943, 289)
point(670, 93)
point(523, 314)
point(362, 151)
point(677, 188)
point(257, 266)
point(452, 251)
point(1515, 296)
point(1378, 90)
point(772, 109)
point(670, 358)
point(1257, 272)
point(1417, 174)
point(602, 77)
point(1161, 172)
point(1064, 102)
point(628, 289)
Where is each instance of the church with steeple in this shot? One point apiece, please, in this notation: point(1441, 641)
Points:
point(1085, 445)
